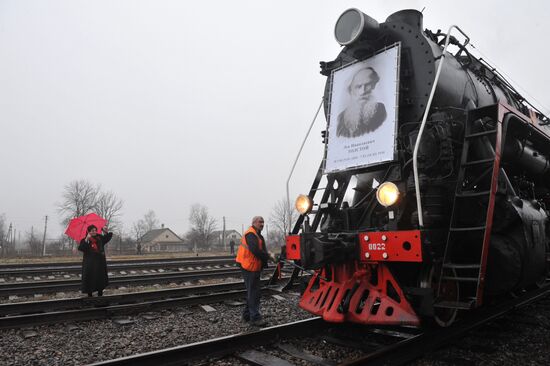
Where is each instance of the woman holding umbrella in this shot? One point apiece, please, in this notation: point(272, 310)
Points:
point(94, 263)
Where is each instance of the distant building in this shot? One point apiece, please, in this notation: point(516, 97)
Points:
point(162, 240)
point(217, 238)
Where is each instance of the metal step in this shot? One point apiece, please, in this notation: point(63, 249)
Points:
point(469, 228)
point(460, 279)
point(466, 305)
point(479, 162)
point(472, 193)
point(462, 265)
point(479, 134)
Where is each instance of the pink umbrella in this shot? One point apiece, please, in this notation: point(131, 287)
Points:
point(77, 226)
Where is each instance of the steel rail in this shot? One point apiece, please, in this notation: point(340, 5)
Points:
point(112, 266)
point(106, 311)
point(223, 346)
point(415, 347)
point(43, 287)
point(114, 260)
point(30, 307)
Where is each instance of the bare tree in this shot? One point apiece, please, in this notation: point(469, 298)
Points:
point(202, 226)
point(109, 206)
point(34, 243)
point(137, 230)
point(4, 240)
point(280, 220)
point(147, 223)
point(150, 221)
point(79, 198)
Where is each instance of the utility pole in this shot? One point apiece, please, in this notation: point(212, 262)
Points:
point(7, 239)
point(44, 237)
point(223, 236)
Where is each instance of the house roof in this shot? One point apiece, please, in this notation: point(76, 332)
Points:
point(155, 233)
point(227, 232)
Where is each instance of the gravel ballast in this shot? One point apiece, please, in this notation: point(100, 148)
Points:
point(92, 341)
point(521, 337)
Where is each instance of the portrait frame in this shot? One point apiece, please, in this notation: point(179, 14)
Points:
point(372, 147)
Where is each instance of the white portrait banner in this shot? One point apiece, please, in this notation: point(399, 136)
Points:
point(362, 122)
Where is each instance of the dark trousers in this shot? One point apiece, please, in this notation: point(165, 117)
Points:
point(252, 283)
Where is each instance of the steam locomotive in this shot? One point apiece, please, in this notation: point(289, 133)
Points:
point(432, 196)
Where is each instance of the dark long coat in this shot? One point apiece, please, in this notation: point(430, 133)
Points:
point(94, 264)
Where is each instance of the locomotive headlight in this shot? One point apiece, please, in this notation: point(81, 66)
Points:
point(303, 204)
point(351, 25)
point(387, 194)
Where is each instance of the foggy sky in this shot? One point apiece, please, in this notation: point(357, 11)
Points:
point(170, 103)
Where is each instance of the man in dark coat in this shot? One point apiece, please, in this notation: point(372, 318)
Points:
point(94, 263)
point(232, 246)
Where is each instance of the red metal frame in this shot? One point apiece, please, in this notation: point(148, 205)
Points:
point(370, 302)
point(293, 247)
point(390, 246)
point(502, 111)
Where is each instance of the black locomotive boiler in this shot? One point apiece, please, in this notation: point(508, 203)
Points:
point(432, 195)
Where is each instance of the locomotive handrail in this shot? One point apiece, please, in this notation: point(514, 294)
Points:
point(425, 118)
point(289, 211)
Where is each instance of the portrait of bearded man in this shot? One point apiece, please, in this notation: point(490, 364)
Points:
point(363, 115)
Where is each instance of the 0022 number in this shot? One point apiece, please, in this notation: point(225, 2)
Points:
point(377, 246)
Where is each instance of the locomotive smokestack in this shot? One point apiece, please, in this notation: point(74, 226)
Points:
point(412, 17)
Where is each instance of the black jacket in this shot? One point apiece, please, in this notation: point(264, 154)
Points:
point(94, 264)
point(253, 246)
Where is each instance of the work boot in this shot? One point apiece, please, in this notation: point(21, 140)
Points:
point(245, 319)
point(258, 323)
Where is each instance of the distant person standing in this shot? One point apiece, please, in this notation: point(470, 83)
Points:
point(232, 246)
point(94, 263)
point(252, 257)
point(138, 248)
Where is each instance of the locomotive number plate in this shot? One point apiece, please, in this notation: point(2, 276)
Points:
point(390, 246)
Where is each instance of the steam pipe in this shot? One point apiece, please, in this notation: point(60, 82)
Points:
point(294, 165)
point(423, 124)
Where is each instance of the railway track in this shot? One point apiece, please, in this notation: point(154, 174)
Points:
point(33, 313)
point(7, 270)
point(46, 287)
point(407, 343)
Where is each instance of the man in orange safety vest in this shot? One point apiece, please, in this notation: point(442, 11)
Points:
point(252, 257)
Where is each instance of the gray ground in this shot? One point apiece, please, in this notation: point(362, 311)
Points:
point(520, 338)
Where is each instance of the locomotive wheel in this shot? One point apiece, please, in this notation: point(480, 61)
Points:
point(450, 291)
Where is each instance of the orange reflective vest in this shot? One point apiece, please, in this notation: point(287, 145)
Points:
point(245, 257)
